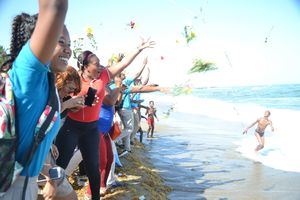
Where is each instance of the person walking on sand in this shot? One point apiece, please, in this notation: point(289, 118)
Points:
point(262, 124)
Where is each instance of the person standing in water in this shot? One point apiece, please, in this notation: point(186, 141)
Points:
point(262, 124)
point(151, 112)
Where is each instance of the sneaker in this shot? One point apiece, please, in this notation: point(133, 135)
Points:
point(123, 153)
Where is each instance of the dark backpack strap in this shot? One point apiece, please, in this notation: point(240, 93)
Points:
point(120, 106)
point(38, 138)
point(53, 102)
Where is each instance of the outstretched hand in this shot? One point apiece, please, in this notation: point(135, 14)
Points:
point(165, 90)
point(146, 44)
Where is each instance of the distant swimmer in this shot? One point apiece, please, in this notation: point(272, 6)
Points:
point(262, 124)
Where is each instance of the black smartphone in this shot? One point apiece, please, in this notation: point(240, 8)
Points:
point(56, 173)
point(89, 99)
point(67, 98)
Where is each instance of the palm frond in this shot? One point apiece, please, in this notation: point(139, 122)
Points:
point(200, 66)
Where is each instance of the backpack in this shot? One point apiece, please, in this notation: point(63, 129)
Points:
point(9, 167)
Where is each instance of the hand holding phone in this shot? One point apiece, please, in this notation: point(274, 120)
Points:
point(89, 99)
point(55, 173)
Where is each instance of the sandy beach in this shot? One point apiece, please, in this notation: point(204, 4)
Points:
point(141, 179)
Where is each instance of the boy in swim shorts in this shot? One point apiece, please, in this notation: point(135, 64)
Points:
point(151, 113)
point(262, 124)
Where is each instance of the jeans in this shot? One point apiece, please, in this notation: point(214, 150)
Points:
point(137, 119)
point(128, 122)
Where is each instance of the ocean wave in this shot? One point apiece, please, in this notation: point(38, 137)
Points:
point(281, 151)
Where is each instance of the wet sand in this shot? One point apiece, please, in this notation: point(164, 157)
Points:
point(204, 164)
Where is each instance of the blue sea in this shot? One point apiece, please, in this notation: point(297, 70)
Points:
point(201, 152)
point(269, 96)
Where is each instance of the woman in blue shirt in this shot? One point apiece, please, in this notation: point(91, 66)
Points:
point(37, 42)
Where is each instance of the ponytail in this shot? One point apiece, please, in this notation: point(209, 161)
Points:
point(22, 29)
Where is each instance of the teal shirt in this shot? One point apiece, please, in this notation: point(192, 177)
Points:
point(136, 97)
point(126, 99)
point(126, 94)
point(30, 86)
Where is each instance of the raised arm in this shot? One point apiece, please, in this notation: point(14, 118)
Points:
point(112, 96)
point(138, 74)
point(147, 89)
point(147, 77)
point(117, 68)
point(49, 26)
point(142, 106)
point(245, 131)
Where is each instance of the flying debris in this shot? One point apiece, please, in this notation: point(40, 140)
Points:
point(269, 34)
point(115, 58)
point(89, 32)
point(181, 89)
point(227, 57)
point(200, 66)
point(168, 112)
point(189, 34)
point(132, 25)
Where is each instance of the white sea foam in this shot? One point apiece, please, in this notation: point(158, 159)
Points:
point(282, 146)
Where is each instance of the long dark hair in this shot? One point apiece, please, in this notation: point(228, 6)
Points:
point(22, 29)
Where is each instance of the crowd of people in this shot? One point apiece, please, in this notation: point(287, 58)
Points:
point(90, 97)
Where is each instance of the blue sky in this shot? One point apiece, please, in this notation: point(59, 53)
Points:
point(229, 33)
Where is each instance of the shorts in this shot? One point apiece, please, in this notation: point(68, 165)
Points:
point(15, 191)
point(150, 121)
point(260, 133)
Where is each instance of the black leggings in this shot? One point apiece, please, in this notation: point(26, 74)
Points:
point(86, 136)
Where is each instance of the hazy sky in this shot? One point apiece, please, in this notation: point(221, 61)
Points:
point(230, 33)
